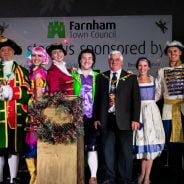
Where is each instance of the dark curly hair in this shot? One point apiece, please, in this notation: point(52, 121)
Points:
point(86, 51)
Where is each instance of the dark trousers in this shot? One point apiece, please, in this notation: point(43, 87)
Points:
point(90, 134)
point(176, 154)
point(11, 144)
point(117, 151)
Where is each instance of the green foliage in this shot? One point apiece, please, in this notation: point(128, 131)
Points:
point(57, 133)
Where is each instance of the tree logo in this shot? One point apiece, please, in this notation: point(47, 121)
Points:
point(56, 29)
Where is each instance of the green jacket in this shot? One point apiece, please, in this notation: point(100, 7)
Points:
point(17, 107)
point(77, 83)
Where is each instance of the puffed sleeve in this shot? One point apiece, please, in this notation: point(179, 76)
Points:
point(159, 85)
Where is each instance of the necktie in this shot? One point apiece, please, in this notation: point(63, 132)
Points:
point(112, 93)
point(113, 83)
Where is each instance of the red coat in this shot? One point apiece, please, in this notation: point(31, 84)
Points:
point(59, 81)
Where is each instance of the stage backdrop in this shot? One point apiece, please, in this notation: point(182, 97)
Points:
point(134, 36)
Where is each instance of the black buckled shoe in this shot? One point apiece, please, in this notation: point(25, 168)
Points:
point(16, 180)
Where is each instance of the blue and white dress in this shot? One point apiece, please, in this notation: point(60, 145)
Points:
point(149, 140)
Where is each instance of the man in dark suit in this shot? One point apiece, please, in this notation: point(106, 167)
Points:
point(117, 111)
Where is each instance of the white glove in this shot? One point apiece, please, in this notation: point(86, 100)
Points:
point(6, 92)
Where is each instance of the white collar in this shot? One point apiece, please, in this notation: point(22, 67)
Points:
point(59, 63)
point(8, 63)
point(118, 72)
point(80, 71)
point(62, 67)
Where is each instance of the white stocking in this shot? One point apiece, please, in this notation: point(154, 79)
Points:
point(13, 162)
point(2, 161)
point(93, 162)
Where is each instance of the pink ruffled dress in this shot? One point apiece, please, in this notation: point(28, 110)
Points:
point(38, 79)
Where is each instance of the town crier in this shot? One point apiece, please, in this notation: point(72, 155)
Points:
point(14, 96)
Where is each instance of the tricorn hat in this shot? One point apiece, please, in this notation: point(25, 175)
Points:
point(7, 42)
point(55, 46)
point(173, 44)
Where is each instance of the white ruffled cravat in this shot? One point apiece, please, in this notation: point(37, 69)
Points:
point(62, 67)
point(7, 69)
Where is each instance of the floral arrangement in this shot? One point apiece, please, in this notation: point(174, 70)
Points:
point(52, 132)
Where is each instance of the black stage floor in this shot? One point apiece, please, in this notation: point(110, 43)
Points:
point(161, 172)
point(159, 175)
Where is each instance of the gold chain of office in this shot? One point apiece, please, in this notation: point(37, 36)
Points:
point(114, 81)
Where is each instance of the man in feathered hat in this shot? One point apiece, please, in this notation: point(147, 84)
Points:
point(171, 87)
point(14, 96)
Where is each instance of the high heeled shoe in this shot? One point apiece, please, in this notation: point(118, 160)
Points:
point(92, 180)
point(140, 180)
point(147, 182)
